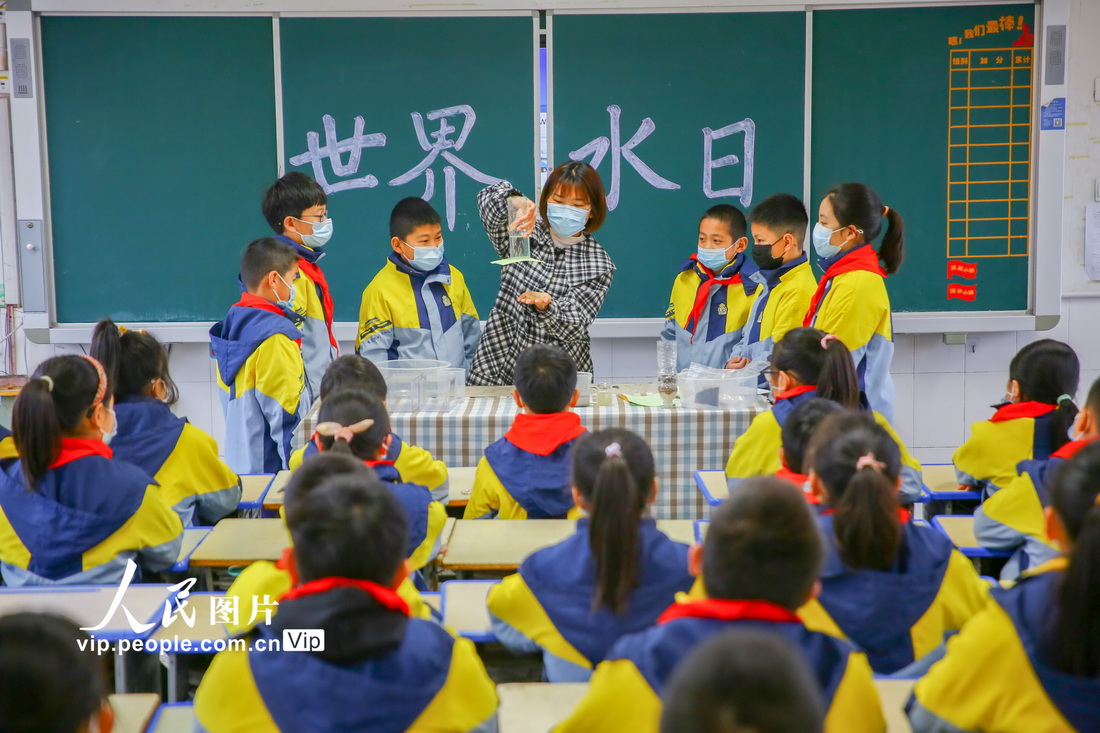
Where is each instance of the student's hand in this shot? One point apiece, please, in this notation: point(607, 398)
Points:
point(539, 300)
point(737, 362)
point(525, 222)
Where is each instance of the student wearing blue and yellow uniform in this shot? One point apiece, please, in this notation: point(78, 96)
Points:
point(1034, 423)
point(7, 444)
point(182, 459)
point(1014, 519)
point(1030, 661)
point(69, 514)
point(806, 364)
point(797, 431)
point(713, 292)
point(418, 306)
point(380, 669)
point(613, 577)
point(527, 473)
point(258, 355)
point(296, 207)
point(760, 561)
point(785, 278)
point(893, 588)
point(851, 299)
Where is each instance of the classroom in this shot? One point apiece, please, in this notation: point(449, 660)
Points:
point(653, 365)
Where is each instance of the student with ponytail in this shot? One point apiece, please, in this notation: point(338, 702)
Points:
point(68, 513)
point(893, 588)
point(614, 576)
point(1030, 661)
point(1032, 424)
point(851, 299)
point(183, 459)
point(808, 363)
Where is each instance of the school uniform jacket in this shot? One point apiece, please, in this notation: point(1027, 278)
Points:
point(7, 444)
point(87, 517)
point(380, 671)
point(409, 314)
point(1017, 432)
point(183, 460)
point(994, 677)
point(899, 615)
point(625, 692)
point(707, 311)
point(547, 606)
point(851, 302)
point(262, 381)
point(756, 451)
point(313, 306)
point(425, 517)
point(527, 474)
point(780, 306)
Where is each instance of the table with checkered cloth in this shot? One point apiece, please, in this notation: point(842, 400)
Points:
point(683, 441)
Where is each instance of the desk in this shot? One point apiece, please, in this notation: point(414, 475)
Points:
point(464, 610)
point(894, 694)
point(276, 492)
point(86, 605)
point(192, 536)
point(713, 485)
point(536, 707)
point(201, 637)
point(240, 542)
point(701, 527)
point(941, 483)
point(960, 530)
point(133, 712)
point(253, 488)
point(461, 483)
point(176, 717)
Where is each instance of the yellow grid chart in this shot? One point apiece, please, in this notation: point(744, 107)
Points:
point(989, 153)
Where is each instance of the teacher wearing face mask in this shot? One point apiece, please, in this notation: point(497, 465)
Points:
point(554, 299)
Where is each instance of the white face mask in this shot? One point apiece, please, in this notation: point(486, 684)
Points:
point(108, 437)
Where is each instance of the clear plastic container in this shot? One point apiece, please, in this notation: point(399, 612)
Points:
point(442, 390)
point(704, 388)
point(584, 386)
point(405, 380)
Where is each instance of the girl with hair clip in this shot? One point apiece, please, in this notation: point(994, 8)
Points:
point(1030, 661)
point(851, 299)
point(894, 588)
point(183, 459)
point(614, 576)
point(59, 523)
point(808, 363)
point(1033, 422)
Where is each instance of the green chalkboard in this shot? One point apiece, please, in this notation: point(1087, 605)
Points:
point(161, 135)
point(689, 73)
point(388, 71)
point(931, 107)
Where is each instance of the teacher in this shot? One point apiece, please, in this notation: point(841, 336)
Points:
point(554, 299)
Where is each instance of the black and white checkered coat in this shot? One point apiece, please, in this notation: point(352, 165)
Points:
point(576, 277)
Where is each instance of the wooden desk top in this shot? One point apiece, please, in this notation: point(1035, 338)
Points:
point(134, 712)
point(464, 609)
point(242, 541)
point(538, 706)
point(274, 498)
point(960, 529)
point(192, 536)
point(461, 483)
point(715, 484)
point(940, 477)
point(894, 694)
point(253, 487)
point(86, 605)
point(175, 718)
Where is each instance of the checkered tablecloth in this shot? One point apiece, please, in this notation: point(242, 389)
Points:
point(683, 441)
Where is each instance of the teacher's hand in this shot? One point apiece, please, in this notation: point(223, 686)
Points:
point(539, 300)
point(525, 222)
point(737, 362)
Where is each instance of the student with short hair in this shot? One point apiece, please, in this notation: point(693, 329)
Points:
point(1030, 661)
point(258, 354)
point(526, 473)
point(759, 562)
point(380, 669)
point(296, 208)
point(182, 459)
point(613, 577)
point(418, 305)
point(797, 430)
point(894, 588)
point(69, 514)
point(50, 684)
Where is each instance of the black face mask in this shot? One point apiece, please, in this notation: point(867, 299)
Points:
point(762, 256)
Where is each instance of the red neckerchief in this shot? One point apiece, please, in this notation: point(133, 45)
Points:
point(1069, 450)
point(903, 514)
point(314, 273)
point(73, 449)
point(795, 391)
point(372, 464)
point(386, 597)
point(703, 293)
point(544, 434)
point(725, 610)
point(798, 480)
point(861, 258)
point(287, 563)
point(1017, 410)
point(248, 300)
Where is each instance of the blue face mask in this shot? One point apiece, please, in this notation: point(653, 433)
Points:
point(566, 221)
point(287, 304)
point(822, 245)
point(714, 259)
point(322, 232)
point(425, 259)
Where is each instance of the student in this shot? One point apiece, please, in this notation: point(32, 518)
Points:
point(742, 680)
point(808, 363)
point(1033, 423)
point(797, 430)
point(354, 421)
point(415, 465)
point(1031, 660)
point(296, 207)
point(58, 522)
point(895, 589)
point(259, 360)
point(50, 685)
point(759, 562)
point(1013, 518)
point(786, 280)
point(417, 306)
point(851, 299)
point(380, 669)
point(713, 292)
point(7, 445)
point(526, 474)
point(613, 577)
point(181, 458)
